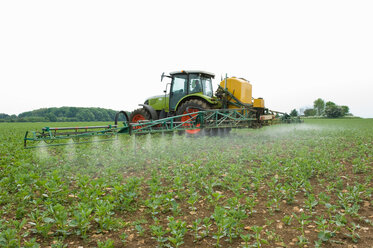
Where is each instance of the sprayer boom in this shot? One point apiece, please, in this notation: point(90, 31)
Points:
point(208, 120)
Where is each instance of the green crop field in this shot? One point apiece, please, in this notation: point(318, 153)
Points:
point(298, 185)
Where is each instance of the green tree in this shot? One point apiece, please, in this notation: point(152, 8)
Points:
point(319, 106)
point(345, 110)
point(330, 104)
point(63, 114)
point(294, 113)
point(309, 112)
point(85, 115)
point(4, 116)
point(333, 111)
point(71, 112)
point(51, 117)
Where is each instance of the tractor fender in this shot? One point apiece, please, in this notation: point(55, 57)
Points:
point(195, 96)
point(151, 111)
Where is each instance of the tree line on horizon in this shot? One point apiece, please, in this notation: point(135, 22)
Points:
point(70, 114)
point(324, 109)
point(62, 114)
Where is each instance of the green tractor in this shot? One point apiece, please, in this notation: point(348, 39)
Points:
point(189, 106)
point(189, 91)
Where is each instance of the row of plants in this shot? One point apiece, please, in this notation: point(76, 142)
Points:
point(307, 184)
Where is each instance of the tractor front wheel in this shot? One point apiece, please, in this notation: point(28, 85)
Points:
point(139, 115)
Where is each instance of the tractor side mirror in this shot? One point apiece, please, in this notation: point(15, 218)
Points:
point(164, 75)
point(165, 91)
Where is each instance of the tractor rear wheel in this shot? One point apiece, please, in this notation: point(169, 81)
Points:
point(193, 105)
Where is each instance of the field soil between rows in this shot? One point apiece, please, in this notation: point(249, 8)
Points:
point(296, 185)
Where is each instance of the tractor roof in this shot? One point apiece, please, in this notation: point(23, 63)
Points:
point(187, 72)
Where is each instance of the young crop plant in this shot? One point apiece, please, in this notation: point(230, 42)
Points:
point(58, 243)
point(40, 222)
point(323, 198)
point(353, 235)
point(324, 234)
point(237, 187)
point(350, 201)
point(273, 205)
point(311, 202)
point(303, 221)
point(215, 197)
point(231, 228)
point(125, 195)
point(176, 210)
point(192, 200)
point(179, 187)
point(140, 230)
point(259, 241)
point(209, 184)
point(196, 227)
point(107, 244)
point(10, 238)
point(359, 166)
point(61, 218)
point(251, 202)
point(177, 231)
point(234, 203)
point(154, 203)
point(123, 237)
point(81, 219)
point(339, 220)
point(331, 209)
point(339, 184)
point(353, 210)
point(158, 233)
point(289, 193)
point(246, 238)
point(206, 227)
point(287, 219)
point(103, 215)
point(31, 243)
point(219, 216)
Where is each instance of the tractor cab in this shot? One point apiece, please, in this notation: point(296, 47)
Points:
point(189, 83)
point(184, 87)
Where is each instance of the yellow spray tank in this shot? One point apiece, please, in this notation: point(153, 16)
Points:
point(242, 90)
point(258, 103)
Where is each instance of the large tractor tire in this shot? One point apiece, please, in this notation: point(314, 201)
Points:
point(138, 115)
point(193, 105)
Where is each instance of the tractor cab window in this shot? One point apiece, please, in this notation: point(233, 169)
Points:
point(195, 84)
point(207, 86)
point(179, 84)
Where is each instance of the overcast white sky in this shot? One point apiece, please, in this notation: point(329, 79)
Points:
point(111, 54)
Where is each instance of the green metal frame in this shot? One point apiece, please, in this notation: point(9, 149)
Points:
point(221, 118)
point(51, 135)
point(208, 119)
